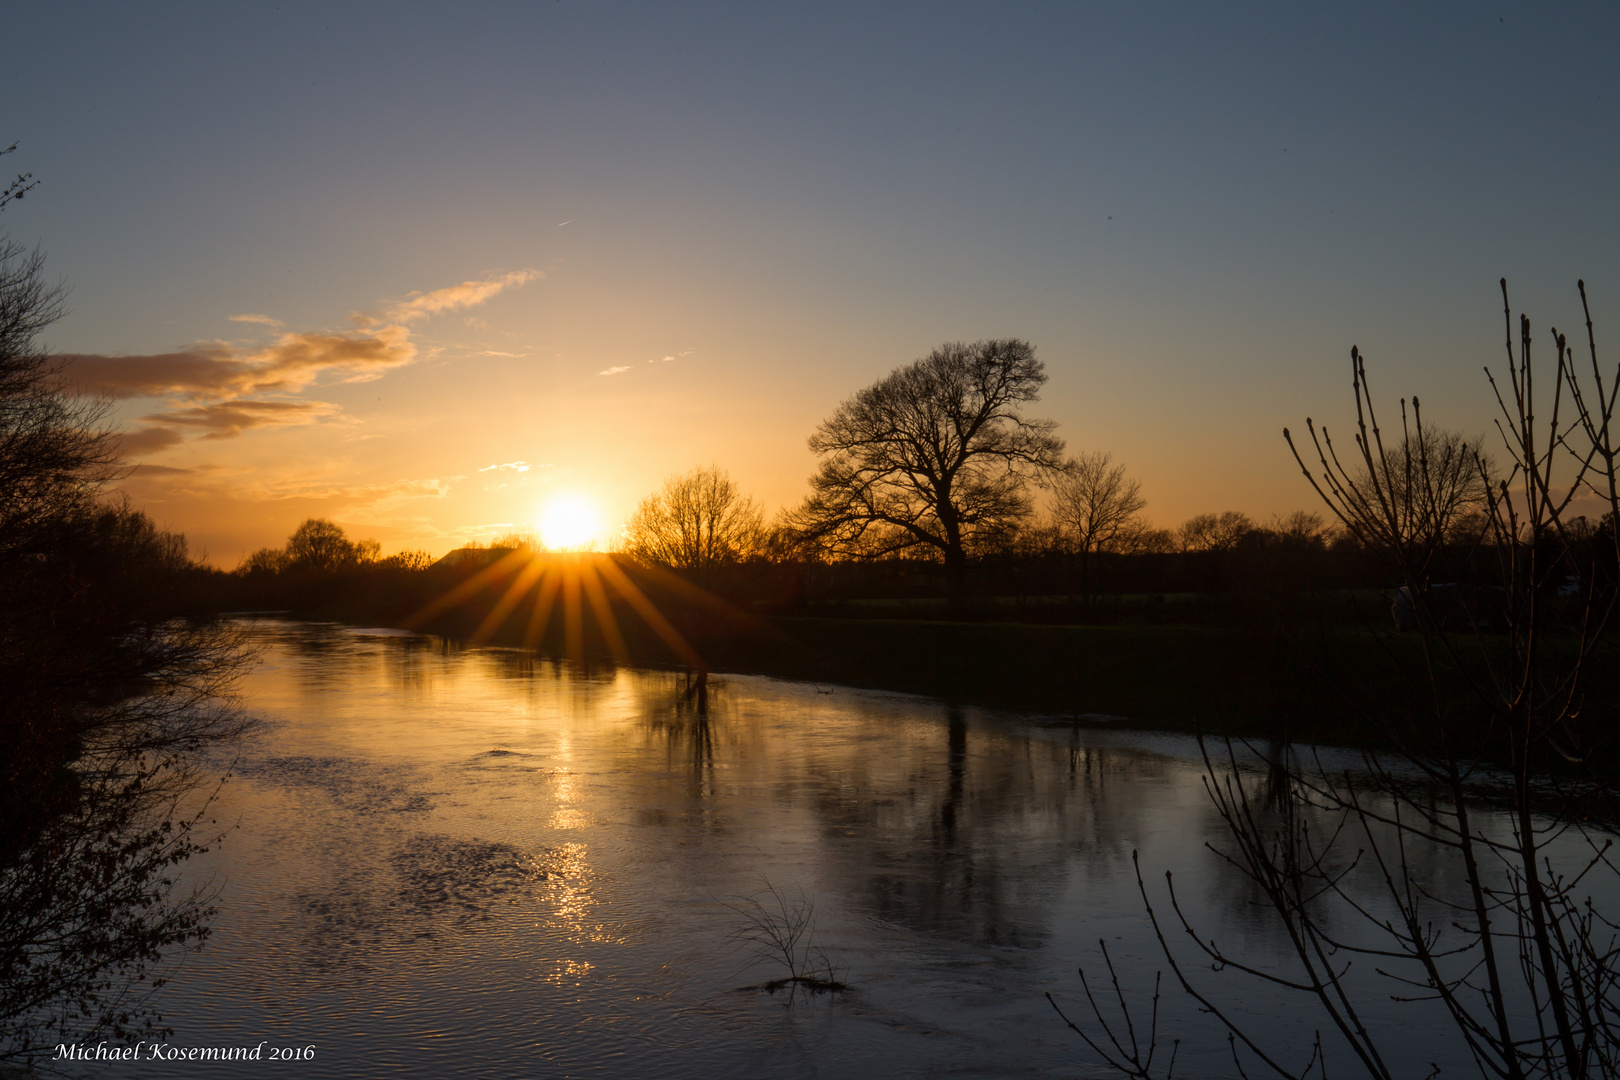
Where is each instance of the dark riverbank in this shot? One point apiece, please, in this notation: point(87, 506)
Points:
point(1165, 677)
point(1304, 668)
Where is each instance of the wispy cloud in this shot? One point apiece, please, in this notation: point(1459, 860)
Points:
point(372, 494)
point(220, 485)
point(228, 419)
point(215, 370)
point(214, 388)
point(615, 370)
point(147, 470)
point(515, 466)
point(465, 295)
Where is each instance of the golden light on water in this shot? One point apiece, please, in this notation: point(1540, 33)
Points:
point(547, 581)
point(569, 522)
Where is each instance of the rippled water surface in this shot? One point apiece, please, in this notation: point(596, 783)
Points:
point(474, 862)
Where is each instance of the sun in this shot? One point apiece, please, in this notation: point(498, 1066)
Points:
point(569, 522)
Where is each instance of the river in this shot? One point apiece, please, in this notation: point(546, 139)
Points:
point(451, 861)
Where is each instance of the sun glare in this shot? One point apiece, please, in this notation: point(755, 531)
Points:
point(569, 523)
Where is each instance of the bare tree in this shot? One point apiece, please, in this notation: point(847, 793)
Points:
point(1098, 508)
point(412, 559)
point(1154, 541)
point(1215, 532)
point(1431, 486)
point(266, 560)
point(935, 456)
point(108, 691)
point(317, 546)
point(16, 188)
point(1300, 527)
point(320, 545)
point(699, 520)
point(56, 450)
point(1485, 828)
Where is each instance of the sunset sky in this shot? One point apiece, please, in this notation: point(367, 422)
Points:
point(423, 269)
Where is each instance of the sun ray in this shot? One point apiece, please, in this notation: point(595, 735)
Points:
point(651, 615)
point(739, 619)
point(719, 606)
point(604, 613)
point(573, 582)
point(573, 618)
point(464, 590)
point(525, 580)
point(540, 617)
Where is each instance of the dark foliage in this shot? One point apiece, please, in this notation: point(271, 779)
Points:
point(109, 691)
point(1483, 819)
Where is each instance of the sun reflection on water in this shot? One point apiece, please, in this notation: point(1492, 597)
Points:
point(567, 972)
point(572, 901)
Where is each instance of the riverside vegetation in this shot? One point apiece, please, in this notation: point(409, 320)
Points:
point(1485, 815)
point(111, 689)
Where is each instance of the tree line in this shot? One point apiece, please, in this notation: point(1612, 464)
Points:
point(932, 481)
point(938, 463)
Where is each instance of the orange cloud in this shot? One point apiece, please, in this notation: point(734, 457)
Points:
point(297, 359)
point(467, 294)
point(216, 486)
point(202, 370)
point(219, 371)
point(148, 441)
point(213, 388)
point(228, 419)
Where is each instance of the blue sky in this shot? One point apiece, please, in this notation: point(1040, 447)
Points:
point(1191, 210)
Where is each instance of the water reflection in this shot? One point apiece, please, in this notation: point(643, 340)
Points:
point(688, 735)
point(460, 860)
